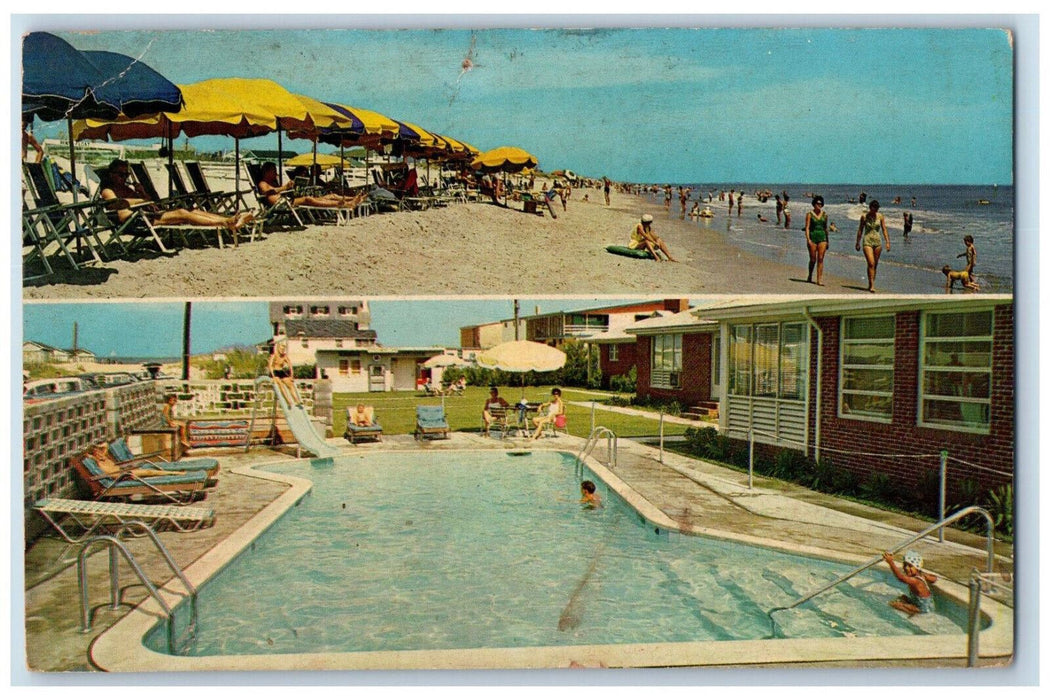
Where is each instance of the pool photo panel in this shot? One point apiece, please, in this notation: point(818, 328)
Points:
point(518, 483)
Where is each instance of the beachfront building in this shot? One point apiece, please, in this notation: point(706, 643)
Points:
point(486, 335)
point(34, 352)
point(875, 386)
point(311, 326)
point(374, 368)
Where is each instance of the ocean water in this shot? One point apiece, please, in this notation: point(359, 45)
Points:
point(943, 214)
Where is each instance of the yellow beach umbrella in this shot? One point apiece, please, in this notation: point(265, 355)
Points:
point(509, 159)
point(522, 356)
point(325, 160)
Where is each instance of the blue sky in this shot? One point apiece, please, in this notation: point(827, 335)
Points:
point(763, 105)
point(154, 329)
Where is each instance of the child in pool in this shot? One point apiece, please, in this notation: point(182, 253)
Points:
point(589, 497)
point(920, 598)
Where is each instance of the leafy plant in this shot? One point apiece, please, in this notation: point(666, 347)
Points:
point(877, 487)
point(1001, 505)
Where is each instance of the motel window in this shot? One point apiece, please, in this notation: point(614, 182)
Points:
point(355, 366)
point(866, 368)
point(339, 342)
point(768, 359)
point(344, 367)
point(667, 361)
point(293, 311)
point(347, 310)
point(614, 353)
point(956, 361)
point(319, 310)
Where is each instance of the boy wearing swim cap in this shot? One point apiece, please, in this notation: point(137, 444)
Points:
point(920, 600)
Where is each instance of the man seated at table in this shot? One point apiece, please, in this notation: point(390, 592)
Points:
point(494, 400)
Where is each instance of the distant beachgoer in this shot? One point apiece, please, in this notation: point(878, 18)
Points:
point(780, 208)
point(589, 497)
point(952, 276)
point(816, 230)
point(871, 232)
point(606, 186)
point(168, 415)
point(970, 254)
point(667, 197)
point(643, 238)
point(270, 192)
point(862, 198)
point(732, 200)
point(695, 211)
point(908, 221)
point(739, 203)
point(920, 599)
point(683, 198)
point(761, 218)
point(283, 375)
point(913, 201)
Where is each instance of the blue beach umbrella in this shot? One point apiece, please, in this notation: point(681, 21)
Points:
point(136, 87)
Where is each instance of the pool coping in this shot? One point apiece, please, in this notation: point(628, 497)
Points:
point(120, 648)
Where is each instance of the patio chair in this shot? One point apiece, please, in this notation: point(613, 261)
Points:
point(51, 220)
point(355, 432)
point(500, 420)
point(560, 422)
point(430, 422)
point(125, 484)
point(207, 202)
point(77, 521)
point(270, 215)
point(125, 458)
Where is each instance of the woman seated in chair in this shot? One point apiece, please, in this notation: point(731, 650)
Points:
point(124, 196)
point(270, 192)
point(548, 413)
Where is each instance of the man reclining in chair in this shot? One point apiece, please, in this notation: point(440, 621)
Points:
point(125, 197)
point(270, 192)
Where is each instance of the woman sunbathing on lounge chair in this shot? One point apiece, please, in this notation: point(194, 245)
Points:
point(124, 197)
point(270, 192)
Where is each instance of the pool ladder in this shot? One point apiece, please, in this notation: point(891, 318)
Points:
point(914, 538)
point(176, 644)
point(597, 433)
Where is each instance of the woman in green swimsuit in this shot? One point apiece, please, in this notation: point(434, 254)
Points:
point(872, 230)
point(817, 238)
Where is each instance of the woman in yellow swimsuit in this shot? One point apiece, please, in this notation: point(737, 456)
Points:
point(872, 231)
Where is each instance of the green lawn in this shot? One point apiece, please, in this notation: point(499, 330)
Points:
point(396, 411)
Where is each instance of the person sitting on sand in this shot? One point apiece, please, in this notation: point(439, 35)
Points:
point(168, 415)
point(124, 198)
point(643, 238)
point(953, 276)
point(920, 600)
point(270, 192)
point(283, 375)
point(548, 412)
point(589, 497)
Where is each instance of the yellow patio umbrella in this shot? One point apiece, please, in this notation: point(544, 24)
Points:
point(508, 159)
point(520, 356)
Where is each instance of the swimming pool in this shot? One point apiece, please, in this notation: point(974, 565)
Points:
point(417, 559)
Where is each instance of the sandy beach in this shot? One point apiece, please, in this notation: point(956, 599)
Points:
point(464, 249)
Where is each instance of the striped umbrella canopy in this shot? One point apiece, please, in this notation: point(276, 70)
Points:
point(508, 159)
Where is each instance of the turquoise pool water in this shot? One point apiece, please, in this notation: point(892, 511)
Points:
point(447, 550)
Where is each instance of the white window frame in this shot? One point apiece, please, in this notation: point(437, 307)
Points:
point(844, 342)
point(776, 367)
point(922, 396)
point(666, 378)
point(614, 352)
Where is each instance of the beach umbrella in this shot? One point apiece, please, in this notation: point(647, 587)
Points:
point(521, 356)
point(445, 361)
point(507, 159)
point(325, 160)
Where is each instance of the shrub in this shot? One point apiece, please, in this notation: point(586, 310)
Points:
point(791, 465)
point(823, 476)
point(1001, 506)
point(877, 487)
point(625, 383)
point(305, 371)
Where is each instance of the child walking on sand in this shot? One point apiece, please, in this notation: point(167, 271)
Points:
point(919, 600)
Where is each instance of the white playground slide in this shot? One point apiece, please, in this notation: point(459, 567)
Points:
point(299, 422)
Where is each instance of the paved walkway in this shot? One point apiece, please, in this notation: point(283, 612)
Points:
point(699, 496)
point(643, 413)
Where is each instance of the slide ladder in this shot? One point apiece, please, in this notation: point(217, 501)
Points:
point(298, 421)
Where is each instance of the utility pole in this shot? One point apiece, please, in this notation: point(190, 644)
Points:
point(186, 341)
point(517, 312)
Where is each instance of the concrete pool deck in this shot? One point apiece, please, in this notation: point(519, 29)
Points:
point(695, 496)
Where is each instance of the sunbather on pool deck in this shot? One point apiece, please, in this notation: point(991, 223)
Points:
point(125, 198)
point(281, 371)
point(920, 598)
point(100, 453)
point(360, 415)
point(548, 412)
point(270, 192)
point(643, 238)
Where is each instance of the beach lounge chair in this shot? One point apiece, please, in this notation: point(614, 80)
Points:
point(50, 220)
point(76, 521)
point(354, 432)
point(207, 202)
point(177, 488)
point(125, 458)
point(228, 202)
point(430, 422)
point(274, 215)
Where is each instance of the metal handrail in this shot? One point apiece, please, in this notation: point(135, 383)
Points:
point(255, 406)
point(592, 440)
point(116, 545)
point(914, 538)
